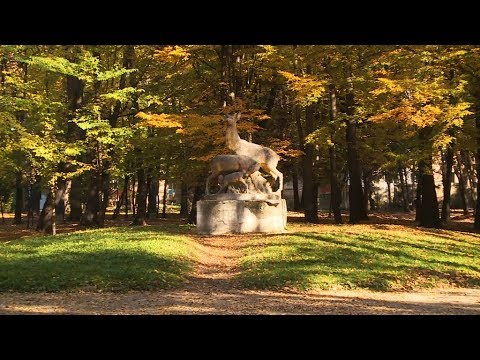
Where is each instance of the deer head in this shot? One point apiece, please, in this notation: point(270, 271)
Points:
point(232, 119)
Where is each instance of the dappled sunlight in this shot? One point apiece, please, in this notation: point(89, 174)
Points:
point(361, 257)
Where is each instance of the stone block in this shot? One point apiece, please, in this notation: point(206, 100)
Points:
point(241, 216)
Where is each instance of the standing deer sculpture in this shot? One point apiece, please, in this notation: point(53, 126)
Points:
point(266, 157)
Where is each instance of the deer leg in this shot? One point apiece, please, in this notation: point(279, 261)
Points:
point(244, 184)
point(277, 175)
point(207, 186)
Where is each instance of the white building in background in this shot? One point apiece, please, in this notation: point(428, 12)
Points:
point(380, 192)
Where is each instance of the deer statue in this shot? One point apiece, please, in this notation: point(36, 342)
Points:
point(232, 178)
point(267, 158)
point(222, 164)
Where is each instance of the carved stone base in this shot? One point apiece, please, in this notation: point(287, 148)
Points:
point(241, 216)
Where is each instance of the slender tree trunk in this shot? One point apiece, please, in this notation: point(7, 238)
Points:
point(355, 191)
point(133, 197)
point(120, 202)
point(447, 184)
point(461, 185)
point(404, 189)
point(476, 224)
point(366, 187)
point(296, 198)
point(308, 183)
point(126, 184)
point(164, 200)
point(105, 183)
point(468, 173)
point(141, 200)
point(18, 198)
point(184, 199)
point(418, 201)
point(1, 209)
point(335, 191)
point(301, 145)
point(407, 191)
point(192, 217)
point(389, 194)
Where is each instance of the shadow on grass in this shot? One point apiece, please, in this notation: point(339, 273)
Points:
point(106, 270)
point(306, 260)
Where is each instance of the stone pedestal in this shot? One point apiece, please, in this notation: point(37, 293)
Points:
point(241, 214)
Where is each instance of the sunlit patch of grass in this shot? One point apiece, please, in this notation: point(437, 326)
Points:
point(362, 256)
point(110, 259)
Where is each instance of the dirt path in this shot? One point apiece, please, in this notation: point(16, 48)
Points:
point(212, 289)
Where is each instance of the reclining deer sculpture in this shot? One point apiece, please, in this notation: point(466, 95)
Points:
point(267, 158)
point(222, 164)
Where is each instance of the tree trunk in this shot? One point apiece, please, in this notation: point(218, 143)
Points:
point(60, 199)
point(407, 191)
point(418, 200)
point(75, 88)
point(468, 173)
point(36, 195)
point(296, 198)
point(335, 192)
point(389, 194)
point(75, 199)
point(476, 223)
point(152, 198)
point(133, 197)
point(308, 183)
point(90, 217)
point(447, 184)
point(141, 200)
point(301, 145)
point(404, 189)
point(461, 184)
point(355, 191)
point(429, 216)
point(1, 209)
point(47, 219)
point(164, 200)
point(126, 185)
point(105, 184)
point(120, 202)
point(18, 198)
point(184, 199)
point(192, 217)
point(366, 187)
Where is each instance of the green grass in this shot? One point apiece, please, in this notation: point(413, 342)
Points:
point(111, 259)
point(375, 257)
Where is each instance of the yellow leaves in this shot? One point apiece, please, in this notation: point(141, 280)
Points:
point(284, 148)
point(160, 120)
point(425, 116)
point(308, 88)
point(387, 86)
point(172, 54)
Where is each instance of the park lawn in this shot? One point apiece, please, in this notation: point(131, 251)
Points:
point(375, 257)
point(109, 259)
